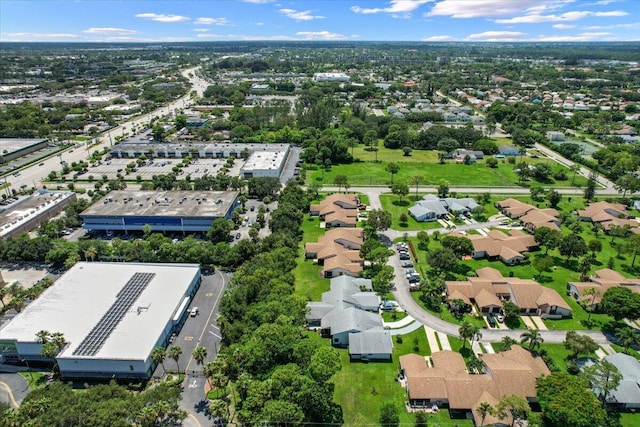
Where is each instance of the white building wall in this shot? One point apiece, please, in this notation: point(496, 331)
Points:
point(103, 368)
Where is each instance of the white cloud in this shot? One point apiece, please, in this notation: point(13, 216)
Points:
point(584, 37)
point(563, 26)
point(438, 39)
point(201, 30)
point(631, 25)
point(321, 35)
point(491, 36)
point(568, 16)
point(106, 30)
point(257, 1)
point(402, 7)
point(300, 15)
point(211, 21)
point(259, 24)
point(162, 17)
point(487, 8)
point(44, 36)
point(145, 40)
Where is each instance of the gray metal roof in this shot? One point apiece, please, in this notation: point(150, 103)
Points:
point(372, 341)
point(629, 389)
point(350, 319)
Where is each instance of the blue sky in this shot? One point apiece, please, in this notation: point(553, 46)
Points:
point(383, 20)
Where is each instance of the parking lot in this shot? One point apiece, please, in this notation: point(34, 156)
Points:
point(200, 330)
point(196, 169)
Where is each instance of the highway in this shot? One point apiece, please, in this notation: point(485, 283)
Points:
point(32, 176)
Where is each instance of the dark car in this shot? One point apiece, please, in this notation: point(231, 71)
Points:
point(237, 236)
point(404, 256)
point(407, 264)
point(491, 320)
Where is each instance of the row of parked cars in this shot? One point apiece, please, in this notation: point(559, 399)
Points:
point(492, 318)
point(403, 251)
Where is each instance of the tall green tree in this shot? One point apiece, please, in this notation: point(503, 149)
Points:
point(566, 401)
point(175, 352)
point(484, 409)
point(389, 415)
point(199, 355)
point(392, 168)
point(158, 355)
point(604, 377)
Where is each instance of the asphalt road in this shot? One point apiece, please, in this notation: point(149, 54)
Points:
point(34, 174)
point(13, 388)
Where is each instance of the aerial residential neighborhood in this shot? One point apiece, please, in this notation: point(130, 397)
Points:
point(274, 218)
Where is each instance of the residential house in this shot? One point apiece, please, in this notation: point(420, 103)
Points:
point(348, 314)
point(508, 248)
point(509, 150)
point(530, 216)
point(627, 395)
point(601, 281)
point(337, 210)
point(433, 208)
point(489, 290)
point(442, 380)
point(338, 251)
point(608, 215)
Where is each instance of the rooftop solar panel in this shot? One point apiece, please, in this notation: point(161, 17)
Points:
point(131, 291)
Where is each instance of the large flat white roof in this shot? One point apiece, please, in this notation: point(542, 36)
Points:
point(265, 160)
point(80, 298)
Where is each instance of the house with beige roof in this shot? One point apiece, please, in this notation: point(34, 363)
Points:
point(609, 215)
point(337, 210)
point(442, 379)
point(489, 290)
point(507, 247)
point(530, 216)
point(338, 251)
point(601, 281)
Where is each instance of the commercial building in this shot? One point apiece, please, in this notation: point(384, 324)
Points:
point(112, 316)
point(12, 148)
point(330, 77)
point(28, 212)
point(264, 164)
point(132, 150)
point(185, 211)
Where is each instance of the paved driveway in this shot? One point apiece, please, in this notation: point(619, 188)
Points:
point(13, 388)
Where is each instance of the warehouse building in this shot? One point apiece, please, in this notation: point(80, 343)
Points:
point(185, 211)
point(112, 316)
point(28, 212)
point(12, 148)
point(264, 164)
point(162, 150)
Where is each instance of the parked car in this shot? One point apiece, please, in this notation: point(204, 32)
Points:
point(414, 279)
point(499, 317)
point(491, 320)
point(404, 256)
point(194, 311)
point(403, 250)
point(237, 236)
point(407, 264)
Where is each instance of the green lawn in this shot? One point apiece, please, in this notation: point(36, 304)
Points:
point(309, 283)
point(368, 171)
point(362, 388)
point(388, 316)
point(392, 204)
point(630, 419)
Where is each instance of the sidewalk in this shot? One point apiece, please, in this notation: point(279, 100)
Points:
point(399, 324)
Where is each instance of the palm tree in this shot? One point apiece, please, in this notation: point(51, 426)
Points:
point(416, 180)
point(467, 331)
point(158, 355)
point(627, 337)
point(199, 354)
point(507, 342)
point(90, 253)
point(593, 292)
point(43, 336)
point(477, 334)
point(174, 353)
point(58, 339)
point(218, 408)
point(484, 409)
point(533, 337)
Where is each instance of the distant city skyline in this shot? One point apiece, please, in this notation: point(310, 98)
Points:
point(327, 20)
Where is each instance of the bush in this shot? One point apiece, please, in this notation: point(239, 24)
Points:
point(399, 339)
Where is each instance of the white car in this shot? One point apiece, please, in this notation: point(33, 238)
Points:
point(194, 311)
point(499, 317)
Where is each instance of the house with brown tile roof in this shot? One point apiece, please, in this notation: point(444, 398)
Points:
point(601, 281)
point(443, 380)
point(337, 210)
point(338, 251)
point(496, 244)
point(530, 216)
point(489, 290)
point(609, 215)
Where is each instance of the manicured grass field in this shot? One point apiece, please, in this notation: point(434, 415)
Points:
point(388, 316)
point(392, 204)
point(368, 171)
point(309, 283)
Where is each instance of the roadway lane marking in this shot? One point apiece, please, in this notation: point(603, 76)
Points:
point(188, 338)
point(10, 393)
point(208, 294)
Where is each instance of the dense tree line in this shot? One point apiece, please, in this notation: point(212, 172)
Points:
point(58, 405)
point(281, 375)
